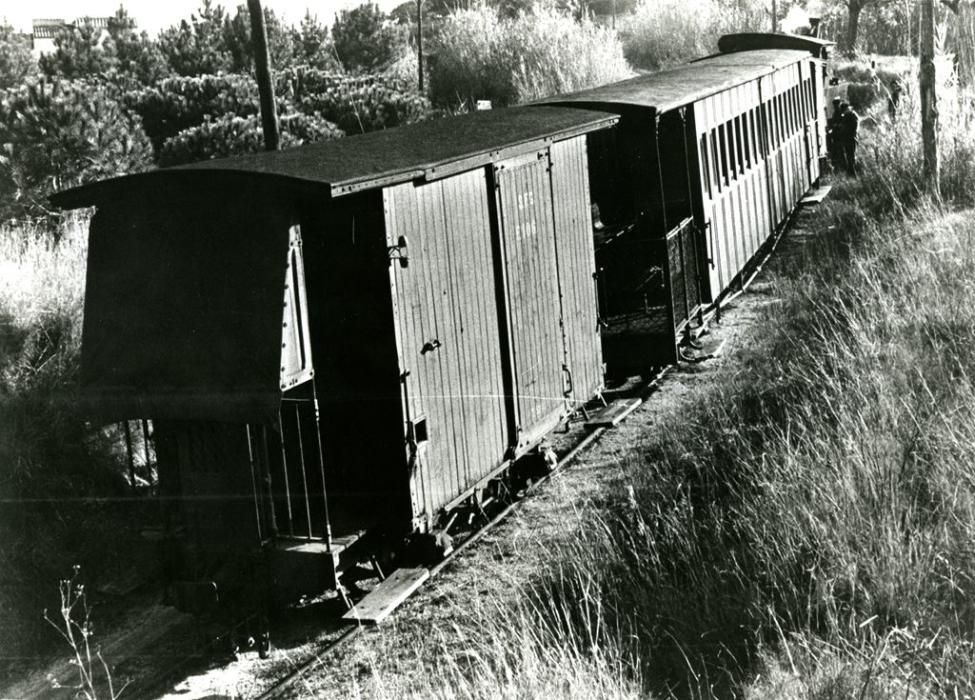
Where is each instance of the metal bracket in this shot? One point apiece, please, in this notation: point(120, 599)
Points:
point(399, 252)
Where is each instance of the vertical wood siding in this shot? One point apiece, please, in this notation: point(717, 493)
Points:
point(577, 268)
point(524, 195)
point(758, 148)
point(448, 333)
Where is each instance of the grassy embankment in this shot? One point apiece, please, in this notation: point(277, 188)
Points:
point(806, 529)
point(55, 470)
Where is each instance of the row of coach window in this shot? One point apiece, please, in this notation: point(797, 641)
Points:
point(730, 149)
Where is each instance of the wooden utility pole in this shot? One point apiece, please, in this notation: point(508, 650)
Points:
point(775, 16)
point(929, 99)
point(262, 64)
point(419, 43)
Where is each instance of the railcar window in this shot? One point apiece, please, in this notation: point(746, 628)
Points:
point(756, 133)
point(795, 109)
point(790, 112)
point(732, 149)
point(739, 145)
point(782, 124)
point(789, 126)
point(745, 139)
point(799, 106)
point(715, 160)
point(705, 164)
point(723, 141)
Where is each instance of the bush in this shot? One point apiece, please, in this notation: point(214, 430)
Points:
point(359, 105)
point(230, 135)
point(55, 137)
point(862, 96)
point(480, 55)
point(178, 103)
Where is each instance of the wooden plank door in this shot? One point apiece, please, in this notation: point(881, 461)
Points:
point(526, 227)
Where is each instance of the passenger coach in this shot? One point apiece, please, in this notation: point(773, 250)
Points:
point(338, 344)
point(708, 161)
point(345, 339)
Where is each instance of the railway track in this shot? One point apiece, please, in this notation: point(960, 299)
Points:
point(281, 687)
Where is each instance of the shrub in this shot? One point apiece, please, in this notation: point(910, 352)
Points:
point(54, 137)
point(862, 96)
point(480, 55)
point(232, 135)
point(179, 103)
point(358, 106)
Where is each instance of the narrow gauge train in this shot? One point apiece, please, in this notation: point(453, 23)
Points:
point(340, 343)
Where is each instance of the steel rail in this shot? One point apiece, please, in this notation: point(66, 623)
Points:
point(297, 673)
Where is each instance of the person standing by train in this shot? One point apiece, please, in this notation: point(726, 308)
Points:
point(849, 125)
point(834, 130)
point(894, 100)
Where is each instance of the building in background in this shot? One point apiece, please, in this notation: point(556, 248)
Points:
point(45, 30)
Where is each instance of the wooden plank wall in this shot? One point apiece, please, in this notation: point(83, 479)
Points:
point(753, 143)
point(448, 334)
point(577, 267)
point(527, 225)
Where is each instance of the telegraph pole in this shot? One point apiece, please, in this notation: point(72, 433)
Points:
point(262, 65)
point(775, 16)
point(929, 99)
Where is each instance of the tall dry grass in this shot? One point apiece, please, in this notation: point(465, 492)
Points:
point(480, 55)
point(805, 527)
point(54, 467)
point(662, 33)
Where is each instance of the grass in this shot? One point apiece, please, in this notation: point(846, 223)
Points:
point(51, 460)
point(662, 33)
point(805, 528)
point(480, 55)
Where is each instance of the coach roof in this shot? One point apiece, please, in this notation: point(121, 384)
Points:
point(747, 41)
point(428, 150)
point(676, 87)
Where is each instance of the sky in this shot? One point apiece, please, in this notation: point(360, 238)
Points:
point(153, 15)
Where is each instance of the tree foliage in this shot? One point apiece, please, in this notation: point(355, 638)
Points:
point(137, 56)
point(313, 44)
point(81, 50)
point(54, 137)
point(237, 38)
point(231, 135)
point(17, 65)
point(363, 38)
point(198, 46)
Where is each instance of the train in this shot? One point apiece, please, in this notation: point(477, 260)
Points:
point(340, 344)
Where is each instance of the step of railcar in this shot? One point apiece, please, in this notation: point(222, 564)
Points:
point(611, 415)
point(816, 195)
point(387, 596)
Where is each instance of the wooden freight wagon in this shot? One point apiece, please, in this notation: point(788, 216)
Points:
point(709, 159)
point(343, 339)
